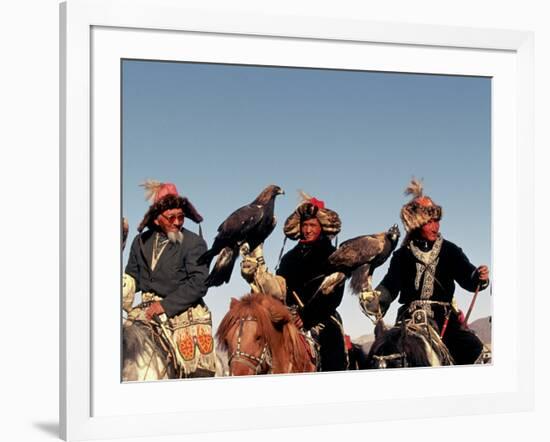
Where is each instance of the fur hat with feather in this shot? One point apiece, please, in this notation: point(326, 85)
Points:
point(164, 196)
point(310, 207)
point(420, 209)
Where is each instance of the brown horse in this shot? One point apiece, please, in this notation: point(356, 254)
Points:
point(260, 338)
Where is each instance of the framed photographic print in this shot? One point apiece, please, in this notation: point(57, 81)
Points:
point(214, 107)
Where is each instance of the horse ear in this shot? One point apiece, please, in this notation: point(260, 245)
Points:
point(380, 329)
point(233, 303)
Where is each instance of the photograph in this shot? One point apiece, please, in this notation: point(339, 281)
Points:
point(279, 220)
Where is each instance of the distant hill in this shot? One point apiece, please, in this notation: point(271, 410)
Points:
point(365, 341)
point(481, 327)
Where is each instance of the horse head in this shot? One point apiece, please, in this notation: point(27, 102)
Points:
point(259, 337)
point(387, 350)
point(248, 331)
point(404, 345)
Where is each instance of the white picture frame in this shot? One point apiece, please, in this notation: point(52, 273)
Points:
point(90, 405)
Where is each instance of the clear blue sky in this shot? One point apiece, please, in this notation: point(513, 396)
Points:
point(354, 139)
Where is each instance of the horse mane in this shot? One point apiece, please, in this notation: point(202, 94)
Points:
point(273, 322)
point(295, 348)
point(415, 348)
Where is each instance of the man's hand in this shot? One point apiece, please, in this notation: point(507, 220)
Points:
point(483, 273)
point(154, 309)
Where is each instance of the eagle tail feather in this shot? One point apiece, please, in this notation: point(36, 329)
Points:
point(207, 257)
point(221, 273)
point(360, 280)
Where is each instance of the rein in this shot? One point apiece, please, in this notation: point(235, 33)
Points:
point(253, 362)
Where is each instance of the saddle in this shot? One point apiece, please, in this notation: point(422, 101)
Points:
point(187, 337)
point(421, 321)
point(312, 348)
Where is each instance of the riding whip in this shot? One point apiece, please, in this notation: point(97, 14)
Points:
point(281, 254)
point(471, 305)
point(178, 359)
point(297, 299)
point(445, 324)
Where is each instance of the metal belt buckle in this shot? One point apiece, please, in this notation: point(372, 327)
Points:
point(420, 317)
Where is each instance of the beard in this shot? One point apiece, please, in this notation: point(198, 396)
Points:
point(175, 237)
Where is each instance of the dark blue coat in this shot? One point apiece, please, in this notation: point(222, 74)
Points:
point(177, 277)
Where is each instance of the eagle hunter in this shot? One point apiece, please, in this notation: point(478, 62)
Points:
point(359, 257)
point(246, 227)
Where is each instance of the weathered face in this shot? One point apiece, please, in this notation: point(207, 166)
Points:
point(311, 229)
point(247, 356)
point(170, 220)
point(430, 230)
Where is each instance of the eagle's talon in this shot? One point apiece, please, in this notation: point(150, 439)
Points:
point(245, 249)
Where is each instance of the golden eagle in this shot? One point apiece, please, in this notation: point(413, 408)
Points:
point(359, 257)
point(246, 227)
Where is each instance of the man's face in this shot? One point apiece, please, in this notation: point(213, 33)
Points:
point(430, 230)
point(170, 220)
point(311, 229)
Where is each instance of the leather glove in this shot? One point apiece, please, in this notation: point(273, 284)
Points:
point(370, 304)
point(154, 309)
point(248, 268)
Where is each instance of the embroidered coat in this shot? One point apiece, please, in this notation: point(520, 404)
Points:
point(406, 276)
point(410, 279)
point(176, 277)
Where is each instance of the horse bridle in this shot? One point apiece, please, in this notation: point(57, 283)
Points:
point(253, 362)
point(383, 360)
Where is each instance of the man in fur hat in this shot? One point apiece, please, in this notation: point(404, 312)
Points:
point(163, 265)
point(423, 272)
point(313, 226)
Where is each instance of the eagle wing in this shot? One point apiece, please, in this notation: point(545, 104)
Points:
point(357, 251)
point(241, 222)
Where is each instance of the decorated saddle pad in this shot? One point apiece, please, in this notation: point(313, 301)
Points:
point(192, 336)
